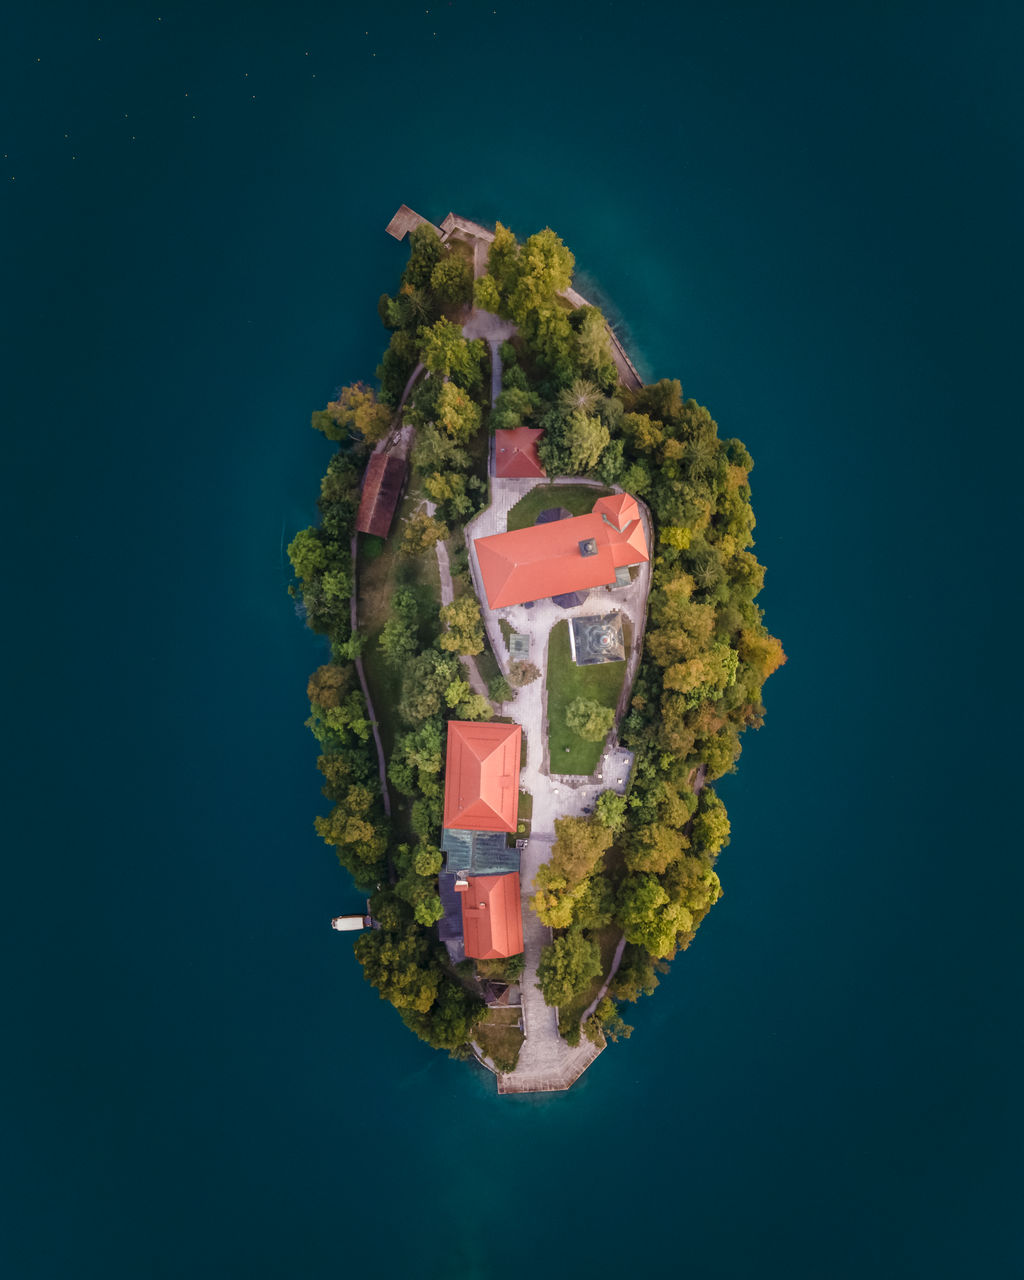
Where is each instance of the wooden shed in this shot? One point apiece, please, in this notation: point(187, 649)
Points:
point(382, 492)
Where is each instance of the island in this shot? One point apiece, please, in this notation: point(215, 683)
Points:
point(535, 578)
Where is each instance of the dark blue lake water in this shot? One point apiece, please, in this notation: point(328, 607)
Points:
point(809, 214)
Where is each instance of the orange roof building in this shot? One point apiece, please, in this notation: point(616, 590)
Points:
point(516, 456)
point(492, 916)
point(481, 782)
point(564, 556)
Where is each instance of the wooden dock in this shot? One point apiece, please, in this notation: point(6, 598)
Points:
point(406, 220)
point(455, 227)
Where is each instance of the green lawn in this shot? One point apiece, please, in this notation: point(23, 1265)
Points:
point(500, 1038)
point(487, 664)
point(524, 822)
point(379, 576)
point(578, 499)
point(607, 940)
point(566, 681)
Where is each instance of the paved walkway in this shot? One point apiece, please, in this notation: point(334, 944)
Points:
point(546, 1062)
point(476, 680)
point(485, 324)
point(616, 961)
point(494, 331)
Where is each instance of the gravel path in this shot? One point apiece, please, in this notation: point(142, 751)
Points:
point(476, 680)
point(382, 767)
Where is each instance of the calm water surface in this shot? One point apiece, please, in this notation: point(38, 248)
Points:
point(811, 216)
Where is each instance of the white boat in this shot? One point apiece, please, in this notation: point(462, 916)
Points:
point(346, 924)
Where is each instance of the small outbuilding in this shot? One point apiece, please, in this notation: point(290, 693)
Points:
point(382, 492)
point(597, 638)
point(516, 456)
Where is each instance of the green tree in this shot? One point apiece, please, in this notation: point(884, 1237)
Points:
point(593, 346)
point(711, 825)
point(581, 395)
point(308, 555)
point(434, 450)
point(422, 531)
point(398, 640)
point(543, 269)
point(662, 915)
point(522, 672)
point(610, 810)
point(474, 707)
point(328, 684)
point(425, 252)
point(457, 414)
point(585, 439)
point(612, 1024)
point(646, 917)
point(427, 861)
point(513, 408)
point(500, 690)
point(589, 719)
point(577, 854)
point(356, 409)
point(396, 365)
point(566, 966)
point(424, 681)
point(465, 628)
point(400, 966)
point(485, 294)
point(421, 894)
point(451, 1019)
point(451, 280)
point(502, 263)
point(447, 354)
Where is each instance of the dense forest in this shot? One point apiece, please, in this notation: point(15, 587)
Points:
point(643, 867)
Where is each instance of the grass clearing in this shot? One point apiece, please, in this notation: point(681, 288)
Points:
point(524, 819)
point(566, 681)
point(578, 499)
point(379, 575)
point(507, 969)
point(500, 1037)
point(487, 664)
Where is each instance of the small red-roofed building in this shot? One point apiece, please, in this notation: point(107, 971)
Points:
point(492, 916)
point(516, 456)
point(481, 781)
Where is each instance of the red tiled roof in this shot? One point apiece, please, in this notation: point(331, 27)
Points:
point(481, 782)
point(619, 509)
point(547, 560)
point(382, 488)
point(515, 453)
point(492, 917)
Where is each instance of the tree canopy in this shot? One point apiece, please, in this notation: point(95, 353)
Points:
point(643, 863)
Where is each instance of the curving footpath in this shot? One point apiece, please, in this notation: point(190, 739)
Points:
point(366, 689)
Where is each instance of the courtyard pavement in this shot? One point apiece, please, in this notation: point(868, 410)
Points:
point(546, 1061)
